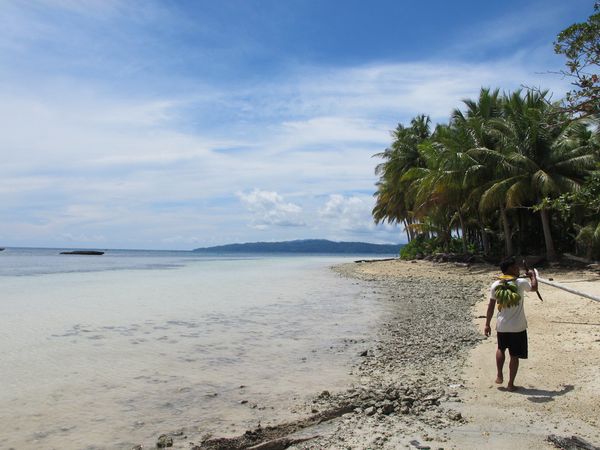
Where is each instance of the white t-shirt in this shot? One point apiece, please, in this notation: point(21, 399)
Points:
point(512, 320)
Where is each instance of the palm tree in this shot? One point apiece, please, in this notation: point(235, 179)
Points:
point(500, 159)
point(533, 162)
point(444, 176)
point(477, 137)
point(392, 202)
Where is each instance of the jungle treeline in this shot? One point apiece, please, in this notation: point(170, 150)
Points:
point(510, 173)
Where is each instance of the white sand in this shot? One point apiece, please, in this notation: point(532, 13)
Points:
point(560, 382)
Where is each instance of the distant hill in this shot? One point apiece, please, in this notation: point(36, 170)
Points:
point(305, 246)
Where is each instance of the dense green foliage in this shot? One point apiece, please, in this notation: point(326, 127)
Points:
point(421, 246)
point(494, 176)
point(509, 173)
point(579, 215)
point(580, 44)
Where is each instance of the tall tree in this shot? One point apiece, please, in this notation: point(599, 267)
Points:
point(580, 44)
point(536, 164)
point(392, 202)
point(479, 172)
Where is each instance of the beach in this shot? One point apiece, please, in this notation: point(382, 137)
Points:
point(427, 378)
point(377, 354)
point(273, 225)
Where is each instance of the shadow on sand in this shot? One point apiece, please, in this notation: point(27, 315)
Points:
point(542, 395)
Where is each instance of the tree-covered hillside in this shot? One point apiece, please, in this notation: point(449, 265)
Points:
point(312, 246)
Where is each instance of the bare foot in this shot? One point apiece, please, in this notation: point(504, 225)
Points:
point(499, 380)
point(512, 388)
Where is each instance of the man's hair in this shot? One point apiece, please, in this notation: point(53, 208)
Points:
point(507, 263)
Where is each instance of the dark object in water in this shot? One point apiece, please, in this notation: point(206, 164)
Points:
point(1, 248)
point(82, 252)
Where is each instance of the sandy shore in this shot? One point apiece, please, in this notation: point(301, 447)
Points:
point(560, 381)
point(426, 381)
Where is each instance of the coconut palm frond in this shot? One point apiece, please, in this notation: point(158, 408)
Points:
point(518, 194)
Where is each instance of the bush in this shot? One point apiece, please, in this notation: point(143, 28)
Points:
point(421, 246)
point(418, 246)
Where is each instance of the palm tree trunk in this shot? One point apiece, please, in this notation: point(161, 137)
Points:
point(589, 252)
point(550, 252)
point(405, 222)
point(462, 232)
point(520, 239)
point(411, 233)
point(484, 241)
point(507, 235)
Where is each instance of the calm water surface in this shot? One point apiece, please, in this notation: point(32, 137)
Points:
point(111, 351)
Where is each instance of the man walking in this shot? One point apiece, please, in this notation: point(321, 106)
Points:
point(511, 324)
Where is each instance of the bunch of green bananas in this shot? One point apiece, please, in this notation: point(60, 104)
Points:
point(507, 295)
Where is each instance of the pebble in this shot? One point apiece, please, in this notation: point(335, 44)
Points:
point(417, 356)
point(164, 441)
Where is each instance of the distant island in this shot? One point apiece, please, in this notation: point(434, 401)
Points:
point(313, 246)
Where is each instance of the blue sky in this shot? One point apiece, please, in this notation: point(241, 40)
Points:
point(179, 124)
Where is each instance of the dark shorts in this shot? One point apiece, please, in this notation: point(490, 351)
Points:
point(516, 343)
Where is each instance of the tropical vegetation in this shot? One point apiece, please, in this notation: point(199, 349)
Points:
point(509, 173)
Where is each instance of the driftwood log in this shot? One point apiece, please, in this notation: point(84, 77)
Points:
point(375, 260)
point(280, 444)
point(571, 443)
point(273, 437)
point(577, 258)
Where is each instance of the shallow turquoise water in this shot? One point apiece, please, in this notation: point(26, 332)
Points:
point(104, 357)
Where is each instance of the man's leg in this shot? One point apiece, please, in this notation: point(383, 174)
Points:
point(500, 365)
point(513, 367)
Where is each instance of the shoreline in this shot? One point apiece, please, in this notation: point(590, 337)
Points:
point(426, 380)
point(409, 378)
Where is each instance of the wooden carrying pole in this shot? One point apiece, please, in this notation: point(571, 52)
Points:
point(564, 288)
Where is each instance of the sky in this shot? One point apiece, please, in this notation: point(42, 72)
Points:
point(185, 124)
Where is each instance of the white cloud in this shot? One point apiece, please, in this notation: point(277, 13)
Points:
point(348, 213)
point(309, 136)
point(324, 131)
point(339, 206)
point(269, 208)
point(528, 21)
point(401, 90)
point(91, 158)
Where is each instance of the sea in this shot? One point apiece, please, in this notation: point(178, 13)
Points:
point(108, 352)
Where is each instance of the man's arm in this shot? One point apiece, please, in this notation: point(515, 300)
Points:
point(534, 281)
point(488, 317)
